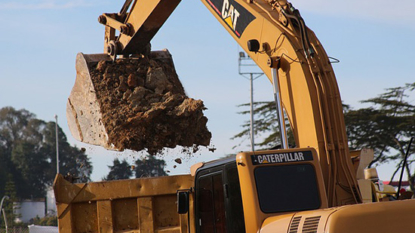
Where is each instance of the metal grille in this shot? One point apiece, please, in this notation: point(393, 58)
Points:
point(311, 224)
point(294, 224)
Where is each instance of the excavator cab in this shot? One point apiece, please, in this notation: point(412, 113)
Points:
point(237, 193)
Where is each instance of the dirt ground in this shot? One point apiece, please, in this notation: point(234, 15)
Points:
point(144, 106)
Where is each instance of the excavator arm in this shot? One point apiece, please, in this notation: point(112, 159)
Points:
point(275, 36)
point(137, 27)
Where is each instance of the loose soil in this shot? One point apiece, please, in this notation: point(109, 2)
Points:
point(144, 106)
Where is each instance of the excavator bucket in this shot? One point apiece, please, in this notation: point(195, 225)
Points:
point(133, 103)
point(83, 111)
point(136, 102)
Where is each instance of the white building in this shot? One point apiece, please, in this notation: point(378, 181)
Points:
point(40, 207)
point(42, 229)
point(51, 209)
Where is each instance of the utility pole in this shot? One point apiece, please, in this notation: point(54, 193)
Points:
point(4, 213)
point(245, 61)
point(5, 220)
point(57, 144)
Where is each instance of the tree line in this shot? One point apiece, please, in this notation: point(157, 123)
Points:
point(146, 167)
point(28, 154)
point(28, 159)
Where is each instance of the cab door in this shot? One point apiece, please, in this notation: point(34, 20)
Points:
point(210, 206)
point(218, 200)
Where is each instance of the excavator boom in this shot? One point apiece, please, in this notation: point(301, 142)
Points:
point(275, 36)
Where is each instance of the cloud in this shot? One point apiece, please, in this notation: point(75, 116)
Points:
point(45, 4)
point(383, 11)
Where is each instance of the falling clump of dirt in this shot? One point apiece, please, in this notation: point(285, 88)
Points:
point(144, 106)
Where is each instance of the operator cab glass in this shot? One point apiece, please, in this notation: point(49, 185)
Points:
point(218, 200)
point(287, 188)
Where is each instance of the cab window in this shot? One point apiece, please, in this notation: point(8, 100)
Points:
point(287, 188)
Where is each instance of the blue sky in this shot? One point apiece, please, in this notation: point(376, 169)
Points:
point(40, 39)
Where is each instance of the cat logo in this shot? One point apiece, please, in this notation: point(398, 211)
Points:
point(236, 17)
point(230, 15)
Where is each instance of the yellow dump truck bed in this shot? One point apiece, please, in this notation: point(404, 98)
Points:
point(128, 206)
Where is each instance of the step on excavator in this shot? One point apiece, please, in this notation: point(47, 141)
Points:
point(318, 186)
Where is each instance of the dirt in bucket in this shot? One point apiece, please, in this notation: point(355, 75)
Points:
point(144, 106)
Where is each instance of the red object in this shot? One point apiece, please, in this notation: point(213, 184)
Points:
point(396, 183)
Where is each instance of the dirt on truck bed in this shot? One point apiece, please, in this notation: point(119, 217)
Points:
point(144, 106)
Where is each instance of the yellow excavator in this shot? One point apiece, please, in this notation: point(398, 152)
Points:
point(319, 186)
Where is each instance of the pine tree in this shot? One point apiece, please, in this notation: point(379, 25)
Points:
point(10, 191)
point(386, 126)
point(119, 170)
point(265, 126)
point(150, 167)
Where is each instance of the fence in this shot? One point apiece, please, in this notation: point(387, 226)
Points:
point(15, 230)
point(33, 229)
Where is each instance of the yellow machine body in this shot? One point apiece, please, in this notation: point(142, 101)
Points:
point(331, 194)
point(150, 204)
